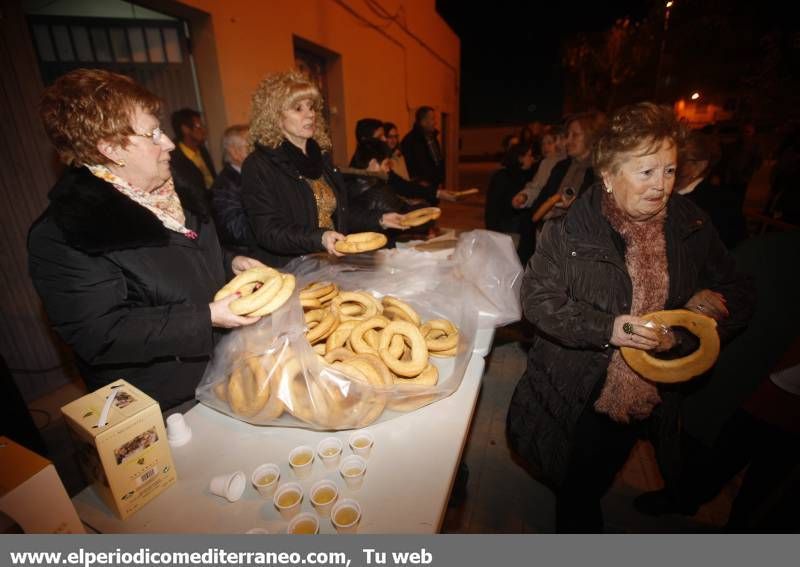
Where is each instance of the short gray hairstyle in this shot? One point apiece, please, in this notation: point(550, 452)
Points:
point(237, 132)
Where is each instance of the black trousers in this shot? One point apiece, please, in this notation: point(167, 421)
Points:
point(600, 448)
point(762, 503)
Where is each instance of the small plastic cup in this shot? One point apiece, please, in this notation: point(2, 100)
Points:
point(324, 494)
point(265, 478)
point(288, 498)
point(229, 486)
point(353, 469)
point(330, 451)
point(304, 524)
point(346, 515)
point(301, 458)
point(178, 431)
point(259, 531)
point(361, 443)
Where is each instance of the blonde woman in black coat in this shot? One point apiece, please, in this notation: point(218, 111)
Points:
point(295, 199)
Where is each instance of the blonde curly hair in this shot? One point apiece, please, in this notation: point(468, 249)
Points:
point(276, 94)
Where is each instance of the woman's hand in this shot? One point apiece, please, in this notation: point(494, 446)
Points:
point(222, 316)
point(519, 200)
point(392, 220)
point(709, 303)
point(329, 240)
point(240, 264)
point(639, 336)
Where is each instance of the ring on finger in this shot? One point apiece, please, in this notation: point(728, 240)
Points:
point(627, 328)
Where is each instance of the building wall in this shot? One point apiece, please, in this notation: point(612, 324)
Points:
point(388, 68)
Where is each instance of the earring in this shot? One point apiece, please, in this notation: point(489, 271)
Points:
point(608, 189)
point(121, 163)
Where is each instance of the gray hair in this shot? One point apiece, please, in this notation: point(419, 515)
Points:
point(237, 132)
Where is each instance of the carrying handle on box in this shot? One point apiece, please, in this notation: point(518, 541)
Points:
point(106, 409)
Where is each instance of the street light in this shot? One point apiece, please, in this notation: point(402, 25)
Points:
point(695, 95)
point(668, 6)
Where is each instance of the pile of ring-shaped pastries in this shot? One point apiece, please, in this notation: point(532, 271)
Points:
point(375, 344)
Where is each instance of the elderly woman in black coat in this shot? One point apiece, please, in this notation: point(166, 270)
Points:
point(126, 263)
point(625, 248)
point(295, 199)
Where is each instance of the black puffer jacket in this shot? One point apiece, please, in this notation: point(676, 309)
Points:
point(374, 194)
point(129, 296)
point(226, 202)
point(573, 288)
point(282, 211)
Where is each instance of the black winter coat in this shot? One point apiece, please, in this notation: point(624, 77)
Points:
point(229, 215)
point(188, 179)
point(411, 190)
point(127, 295)
point(499, 214)
point(282, 211)
point(422, 166)
point(573, 288)
point(374, 194)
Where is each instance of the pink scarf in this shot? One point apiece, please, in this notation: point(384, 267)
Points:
point(163, 202)
point(626, 395)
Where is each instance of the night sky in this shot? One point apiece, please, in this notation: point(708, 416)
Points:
point(511, 54)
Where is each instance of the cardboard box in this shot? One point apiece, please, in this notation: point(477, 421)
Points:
point(128, 459)
point(32, 494)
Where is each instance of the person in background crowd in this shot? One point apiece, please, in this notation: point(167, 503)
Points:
point(740, 158)
point(516, 171)
point(784, 202)
point(422, 150)
point(552, 152)
point(369, 128)
point(746, 412)
point(696, 181)
point(191, 166)
point(226, 192)
point(372, 128)
point(125, 265)
point(393, 140)
point(624, 249)
point(295, 200)
point(367, 184)
point(569, 177)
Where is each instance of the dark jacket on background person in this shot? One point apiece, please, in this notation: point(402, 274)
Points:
point(282, 211)
point(228, 209)
point(372, 193)
point(572, 290)
point(411, 190)
point(186, 176)
point(499, 214)
point(423, 157)
point(723, 208)
point(527, 228)
point(129, 296)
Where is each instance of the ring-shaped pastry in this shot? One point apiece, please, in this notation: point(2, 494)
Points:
point(679, 369)
point(419, 351)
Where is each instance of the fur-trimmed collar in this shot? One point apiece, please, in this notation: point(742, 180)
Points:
point(97, 218)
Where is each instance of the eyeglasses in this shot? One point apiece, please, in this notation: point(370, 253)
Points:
point(155, 135)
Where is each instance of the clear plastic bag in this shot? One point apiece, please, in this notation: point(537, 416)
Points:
point(268, 373)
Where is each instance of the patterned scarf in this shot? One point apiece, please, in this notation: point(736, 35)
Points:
point(163, 202)
point(625, 394)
